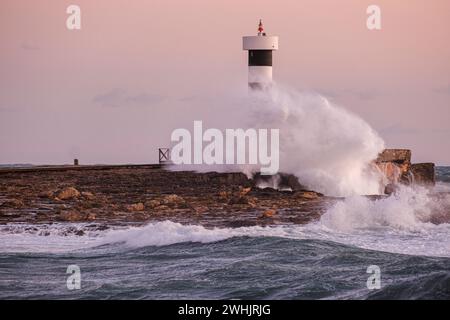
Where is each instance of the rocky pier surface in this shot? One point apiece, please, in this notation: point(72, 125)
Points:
point(139, 194)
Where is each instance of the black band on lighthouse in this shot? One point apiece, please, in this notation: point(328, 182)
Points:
point(260, 58)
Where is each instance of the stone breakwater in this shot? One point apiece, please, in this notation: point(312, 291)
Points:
point(108, 195)
point(139, 194)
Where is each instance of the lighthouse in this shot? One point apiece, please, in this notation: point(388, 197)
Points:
point(260, 49)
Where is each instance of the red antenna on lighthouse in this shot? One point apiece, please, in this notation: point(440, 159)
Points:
point(260, 27)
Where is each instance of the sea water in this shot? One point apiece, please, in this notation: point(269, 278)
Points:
point(326, 259)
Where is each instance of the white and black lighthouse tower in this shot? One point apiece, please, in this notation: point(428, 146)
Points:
point(260, 49)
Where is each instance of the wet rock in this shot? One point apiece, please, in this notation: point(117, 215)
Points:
point(423, 174)
point(68, 194)
point(152, 204)
point(135, 207)
point(391, 188)
point(269, 213)
point(101, 227)
point(265, 191)
point(79, 233)
point(280, 181)
point(290, 181)
point(72, 216)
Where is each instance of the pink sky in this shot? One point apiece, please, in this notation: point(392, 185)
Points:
point(113, 91)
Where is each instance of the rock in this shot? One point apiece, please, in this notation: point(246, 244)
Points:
point(252, 202)
point(280, 181)
point(136, 207)
point(152, 203)
point(72, 216)
point(46, 194)
point(68, 194)
point(290, 181)
point(393, 173)
point(395, 165)
point(238, 200)
point(310, 195)
point(423, 174)
point(269, 213)
point(399, 156)
point(87, 195)
point(200, 209)
point(244, 191)
point(14, 203)
point(91, 216)
point(224, 196)
point(391, 188)
point(173, 201)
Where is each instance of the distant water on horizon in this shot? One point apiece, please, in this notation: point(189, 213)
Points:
point(327, 259)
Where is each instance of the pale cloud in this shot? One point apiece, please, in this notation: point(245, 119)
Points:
point(118, 97)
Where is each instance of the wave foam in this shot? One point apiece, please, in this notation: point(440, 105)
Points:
point(402, 223)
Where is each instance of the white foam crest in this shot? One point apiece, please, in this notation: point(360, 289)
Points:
point(165, 233)
point(432, 240)
point(54, 238)
point(409, 209)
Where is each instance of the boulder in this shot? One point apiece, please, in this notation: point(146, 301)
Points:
point(399, 156)
point(269, 213)
point(68, 194)
point(152, 203)
point(423, 174)
point(72, 216)
point(136, 207)
point(91, 216)
point(173, 201)
point(395, 164)
point(46, 194)
point(244, 191)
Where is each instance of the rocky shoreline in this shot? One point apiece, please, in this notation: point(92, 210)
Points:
point(140, 194)
point(105, 195)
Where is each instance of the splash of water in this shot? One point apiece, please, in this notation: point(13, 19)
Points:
point(408, 209)
point(328, 148)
